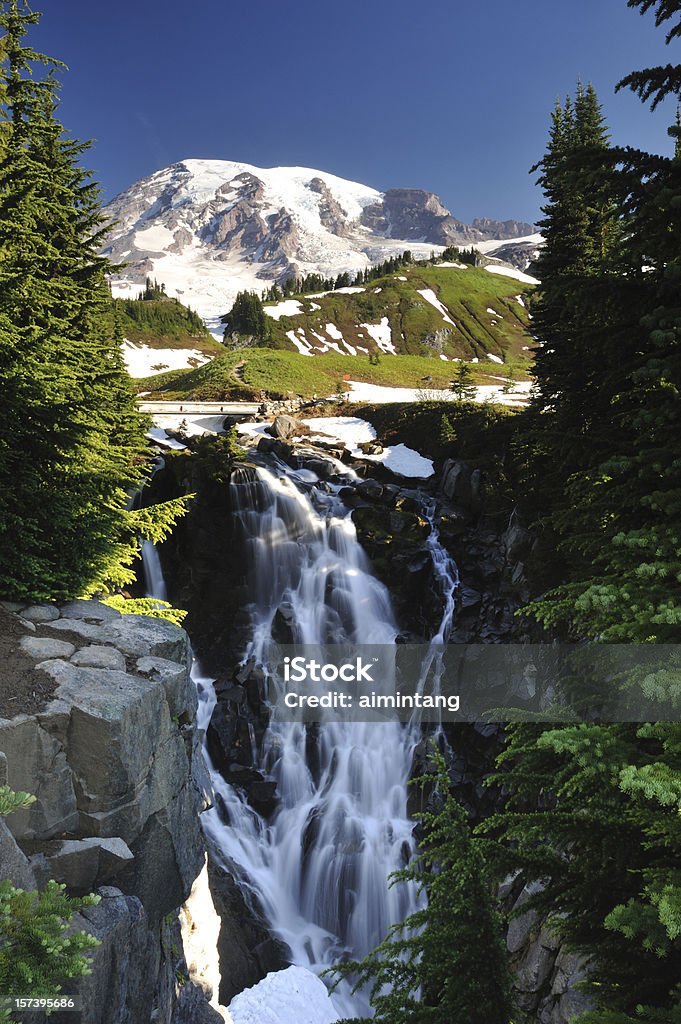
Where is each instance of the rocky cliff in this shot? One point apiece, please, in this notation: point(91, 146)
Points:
point(113, 759)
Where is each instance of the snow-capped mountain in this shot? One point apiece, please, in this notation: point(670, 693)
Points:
point(210, 228)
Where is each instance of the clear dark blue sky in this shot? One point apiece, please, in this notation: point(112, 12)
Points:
point(449, 95)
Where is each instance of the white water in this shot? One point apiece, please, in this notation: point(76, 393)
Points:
point(320, 866)
point(153, 574)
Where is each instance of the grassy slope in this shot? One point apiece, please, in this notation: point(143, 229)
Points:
point(280, 373)
point(414, 322)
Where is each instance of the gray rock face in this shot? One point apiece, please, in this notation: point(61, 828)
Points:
point(545, 975)
point(460, 483)
point(331, 213)
point(81, 864)
point(490, 228)
point(113, 756)
point(124, 966)
point(115, 763)
point(14, 865)
point(35, 748)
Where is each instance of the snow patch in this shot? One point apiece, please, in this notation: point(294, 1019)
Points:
point(333, 332)
point(378, 394)
point(155, 238)
point(382, 335)
point(494, 312)
point(494, 359)
point(289, 307)
point(354, 431)
point(430, 296)
point(293, 996)
point(161, 437)
point(193, 426)
point(301, 345)
point(144, 361)
point(518, 275)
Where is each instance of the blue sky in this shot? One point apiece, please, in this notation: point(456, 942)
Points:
point(453, 95)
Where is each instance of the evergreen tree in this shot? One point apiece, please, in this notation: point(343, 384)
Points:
point(247, 318)
point(594, 809)
point(71, 441)
point(39, 950)
point(463, 384)
point(446, 964)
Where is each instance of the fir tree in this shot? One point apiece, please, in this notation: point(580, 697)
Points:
point(247, 318)
point(594, 809)
point(463, 385)
point(71, 441)
point(39, 950)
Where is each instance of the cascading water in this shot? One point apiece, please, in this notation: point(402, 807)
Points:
point(155, 585)
point(320, 866)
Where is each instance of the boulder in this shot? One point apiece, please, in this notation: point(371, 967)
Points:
point(98, 656)
point(370, 489)
point(42, 648)
point(285, 427)
point(461, 484)
point(40, 613)
point(90, 611)
point(134, 635)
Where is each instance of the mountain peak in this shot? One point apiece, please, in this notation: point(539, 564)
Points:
point(211, 228)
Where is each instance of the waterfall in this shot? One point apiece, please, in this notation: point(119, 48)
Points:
point(154, 584)
point(320, 866)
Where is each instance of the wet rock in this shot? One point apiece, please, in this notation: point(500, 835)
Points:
point(221, 736)
point(370, 489)
point(468, 598)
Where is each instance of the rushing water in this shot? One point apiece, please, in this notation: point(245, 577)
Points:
point(320, 865)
